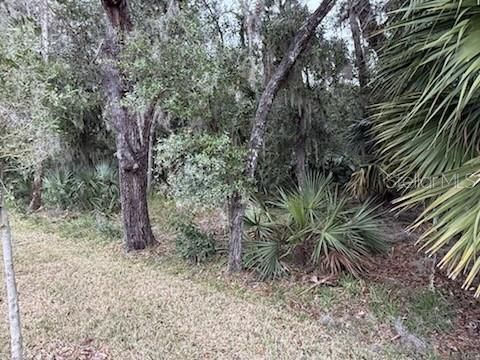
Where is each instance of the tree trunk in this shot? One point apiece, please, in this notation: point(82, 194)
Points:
point(36, 200)
point(360, 62)
point(44, 29)
point(297, 46)
point(133, 197)
point(11, 287)
point(150, 165)
point(300, 151)
point(132, 132)
point(253, 19)
point(371, 30)
point(237, 212)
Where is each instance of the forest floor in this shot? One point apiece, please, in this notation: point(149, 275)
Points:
point(83, 297)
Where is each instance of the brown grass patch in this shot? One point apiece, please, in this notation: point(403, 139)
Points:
point(84, 300)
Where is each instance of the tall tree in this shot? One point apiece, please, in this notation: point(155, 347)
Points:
point(252, 12)
point(132, 130)
point(297, 46)
point(300, 148)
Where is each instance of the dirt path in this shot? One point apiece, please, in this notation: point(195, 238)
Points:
point(91, 302)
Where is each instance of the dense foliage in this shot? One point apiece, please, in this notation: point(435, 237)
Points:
point(83, 189)
point(194, 71)
point(192, 244)
point(428, 127)
point(202, 170)
point(317, 224)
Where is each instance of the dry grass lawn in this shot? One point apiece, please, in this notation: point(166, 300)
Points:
point(84, 300)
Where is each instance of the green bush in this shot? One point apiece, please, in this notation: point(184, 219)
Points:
point(83, 189)
point(315, 219)
point(202, 170)
point(101, 191)
point(192, 244)
point(61, 189)
point(108, 227)
point(17, 188)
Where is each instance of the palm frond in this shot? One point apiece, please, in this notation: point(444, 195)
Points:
point(265, 257)
point(368, 180)
point(428, 130)
point(454, 204)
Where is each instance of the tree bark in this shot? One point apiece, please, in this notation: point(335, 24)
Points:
point(45, 44)
point(297, 46)
point(150, 165)
point(372, 31)
point(11, 287)
point(300, 149)
point(237, 212)
point(133, 196)
point(253, 19)
point(36, 200)
point(132, 131)
point(360, 62)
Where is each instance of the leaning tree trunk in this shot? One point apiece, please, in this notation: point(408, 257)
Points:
point(132, 131)
point(297, 46)
point(11, 287)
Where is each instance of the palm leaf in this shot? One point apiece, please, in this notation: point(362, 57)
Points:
point(428, 129)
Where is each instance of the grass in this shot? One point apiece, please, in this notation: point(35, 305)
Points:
point(326, 298)
point(138, 306)
point(353, 286)
point(383, 303)
point(430, 311)
point(78, 293)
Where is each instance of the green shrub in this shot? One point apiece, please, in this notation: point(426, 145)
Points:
point(17, 188)
point(192, 244)
point(101, 191)
point(202, 170)
point(91, 227)
point(83, 189)
point(108, 227)
point(313, 217)
point(61, 189)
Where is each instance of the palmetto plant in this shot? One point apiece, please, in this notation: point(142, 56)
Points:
point(83, 188)
point(429, 127)
point(336, 236)
point(102, 186)
point(60, 189)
